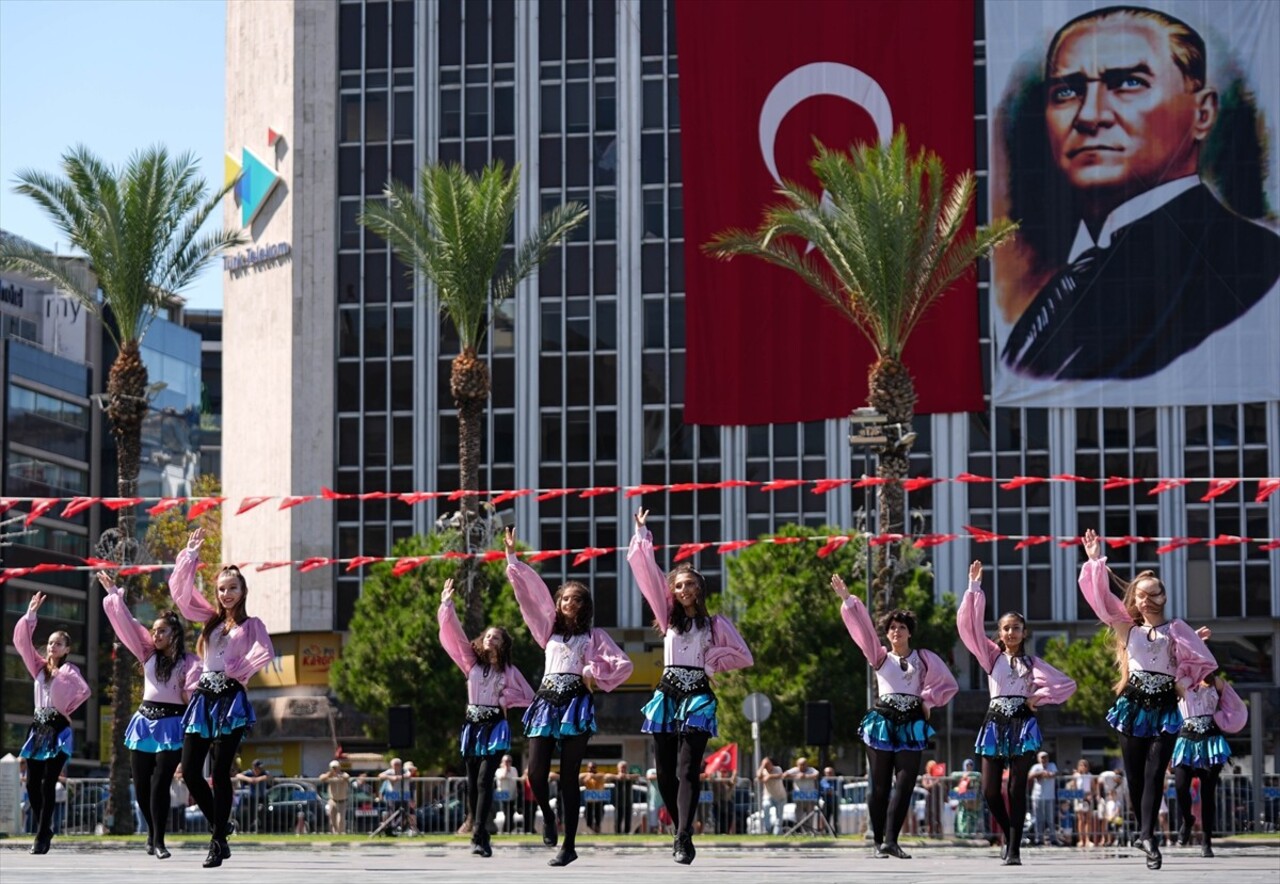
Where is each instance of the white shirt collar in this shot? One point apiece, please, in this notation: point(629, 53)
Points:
point(1129, 211)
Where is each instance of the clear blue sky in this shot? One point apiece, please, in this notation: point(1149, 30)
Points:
point(117, 76)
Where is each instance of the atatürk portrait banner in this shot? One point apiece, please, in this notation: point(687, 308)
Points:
point(758, 83)
point(1136, 146)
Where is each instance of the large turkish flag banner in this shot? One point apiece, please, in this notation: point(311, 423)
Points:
point(758, 82)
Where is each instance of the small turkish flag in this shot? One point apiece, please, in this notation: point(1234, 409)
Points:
point(723, 759)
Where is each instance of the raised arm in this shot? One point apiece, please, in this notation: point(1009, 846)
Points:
point(728, 650)
point(1095, 584)
point(1231, 715)
point(971, 621)
point(23, 636)
point(652, 582)
point(452, 638)
point(260, 652)
point(1050, 687)
point(1195, 660)
point(606, 664)
point(532, 594)
point(182, 582)
point(858, 622)
point(516, 693)
point(133, 635)
point(939, 684)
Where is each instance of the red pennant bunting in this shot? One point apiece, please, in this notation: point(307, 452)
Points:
point(733, 546)
point(1176, 543)
point(1227, 540)
point(735, 483)
point(982, 535)
point(1219, 487)
point(1266, 488)
point(203, 506)
point(781, 484)
point(119, 503)
point(493, 555)
point(782, 541)
point(315, 562)
point(40, 506)
point(101, 563)
point(77, 505)
point(1164, 485)
point(290, 502)
point(6, 504)
point(870, 482)
point(689, 550)
point(506, 496)
point(388, 495)
point(548, 554)
point(165, 503)
point(1035, 540)
point(822, 486)
point(927, 540)
point(591, 552)
point(1021, 481)
point(554, 493)
point(1268, 547)
point(457, 555)
point(46, 567)
point(249, 503)
point(268, 566)
point(414, 497)
point(11, 573)
point(1068, 477)
point(1126, 540)
point(407, 564)
point(919, 482)
point(970, 477)
point(1074, 541)
point(883, 539)
point(597, 492)
point(831, 546)
point(682, 487)
point(134, 570)
point(361, 561)
point(330, 494)
point(462, 492)
point(638, 490)
point(1119, 482)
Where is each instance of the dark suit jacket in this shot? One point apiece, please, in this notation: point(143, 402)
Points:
point(1166, 283)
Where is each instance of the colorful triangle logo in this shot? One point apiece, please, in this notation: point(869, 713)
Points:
point(257, 180)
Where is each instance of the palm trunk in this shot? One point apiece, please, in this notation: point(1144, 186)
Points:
point(469, 383)
point(893, 394)
point(126, 409)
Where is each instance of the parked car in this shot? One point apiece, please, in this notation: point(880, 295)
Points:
point(289, 799)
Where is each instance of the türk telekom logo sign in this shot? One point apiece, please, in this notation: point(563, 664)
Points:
point(254, 179)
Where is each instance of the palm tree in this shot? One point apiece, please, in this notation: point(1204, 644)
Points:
point(139, 226)
point(888, 241)
point(453, 231)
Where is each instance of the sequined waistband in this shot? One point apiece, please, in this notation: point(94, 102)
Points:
point(47, 716)
point(483, 714)
point(684, 681)
point(1151, 690)
point(153, 711)
point(217, 683)
point(1009, 707)
point(561, 687)
point(900, 708)
point(1199, 727)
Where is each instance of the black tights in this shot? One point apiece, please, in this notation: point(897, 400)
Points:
point(480, 770)
point(42, 783)
point(1145, 761)
point(1208, 796)
point(152, 776)
point(679, 766)
point(891, 773)
point(1010, 820)
point(572, 751)
point(215, 804)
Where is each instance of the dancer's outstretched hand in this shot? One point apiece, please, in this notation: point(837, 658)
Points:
point(1092, 544)
point(837, 584)
point(975, 572)
point(509, 539)
point(641, 515)
point(446, 594)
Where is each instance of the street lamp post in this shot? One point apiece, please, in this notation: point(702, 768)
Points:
point(868, 433)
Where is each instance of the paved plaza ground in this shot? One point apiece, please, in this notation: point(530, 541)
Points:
point(739, 862)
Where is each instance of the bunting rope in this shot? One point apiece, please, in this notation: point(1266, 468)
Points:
point(830, 543)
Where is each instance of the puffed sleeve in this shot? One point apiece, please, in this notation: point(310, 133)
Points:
point(939, 684)
point(1095, 584)
point(1231, 715)
point(260, 652)
point(858, 622)
point(971, 624)
point(653, 583)
point(70, 690)
point(516, 693)
point(182, 586)
point(534, 598)
point(454, 639)
point(133, 635)
point(23, 631)
point(728, 650)
point(191, 676)
point(1050, 687)
point(1195, 660)
point(606, 662)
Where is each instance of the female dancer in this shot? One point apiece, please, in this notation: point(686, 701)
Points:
point(1018, 684)
point(154, 735)
point(896, 729)
point(1208, 709)
point(1157, 659)
point(494, 685)
point(682, 714)
point(579, 658)
point(59, 691)
point(232, 647)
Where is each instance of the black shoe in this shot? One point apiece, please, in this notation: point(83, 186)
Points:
point(151, 848)
point(1152, 850)
point(675, 843)
point(1004, 850)
point(214, 859)
point(39, 846)
point(162, 853)
point(684, 849)
point(563, 857)
point(892, 849)
point(549, 835)
point(1206, 849)
point(882, 852)
point(223, 847)
point(1013, 856)
point(1184, 835)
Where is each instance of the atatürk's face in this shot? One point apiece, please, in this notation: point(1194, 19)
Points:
point(1119, 112)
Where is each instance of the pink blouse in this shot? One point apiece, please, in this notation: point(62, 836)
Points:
point(1227, 709)
point(926, 675)
point(137, 638)
point(66, 690)
point(716, 648)
point(1172, 648)
point(593, 655)
point(485, 686)
point(1005, 678)
point(239, 653)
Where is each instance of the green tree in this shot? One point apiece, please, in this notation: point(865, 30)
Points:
point(167, 536)
point(889, 240)
point(1092, 664)
point(140, 228)
point(454, 231)
point(781, 601)
point(393, 655)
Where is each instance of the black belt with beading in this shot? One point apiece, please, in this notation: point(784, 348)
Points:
point(1151, 690)
point(681, 682)
point(153, 711)
point(559, 688)
point(477, 714)
point(900, 708)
